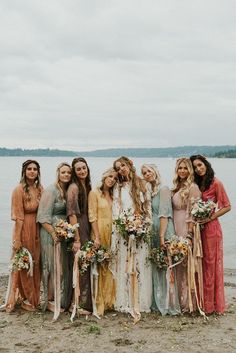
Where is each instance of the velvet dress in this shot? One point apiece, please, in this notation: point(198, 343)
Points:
point(73, 208)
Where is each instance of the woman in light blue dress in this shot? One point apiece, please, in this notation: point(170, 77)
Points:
point(164, 292)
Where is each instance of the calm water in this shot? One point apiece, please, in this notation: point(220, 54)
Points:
point(10, 172)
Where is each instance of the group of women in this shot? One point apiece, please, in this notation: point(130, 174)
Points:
point(129, 282)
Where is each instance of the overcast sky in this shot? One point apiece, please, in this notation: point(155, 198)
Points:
point(94, 74)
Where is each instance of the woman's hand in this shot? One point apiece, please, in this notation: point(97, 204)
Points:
point(204, 221)
point(162, 243)
point(54, 237)
point(97, 242)
point(76, 246)
point(16, 245)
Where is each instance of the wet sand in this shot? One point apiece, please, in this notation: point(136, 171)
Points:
point(22, 332)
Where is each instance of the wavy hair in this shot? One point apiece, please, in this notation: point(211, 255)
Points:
point(157, 181)
point(203, 182)
point(83, 193)
point(183, 186)
point(137, 185)
point(57, 183)
point(24, 182)
point(104, 176)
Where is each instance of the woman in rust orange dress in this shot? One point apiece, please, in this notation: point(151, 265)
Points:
point(24, 288)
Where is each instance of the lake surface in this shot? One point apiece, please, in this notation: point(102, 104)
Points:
point(10, 174)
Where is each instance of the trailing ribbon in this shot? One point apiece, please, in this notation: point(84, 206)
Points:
point(57, 280)
point(76, 286)
point(132, 273)
point(94, 287)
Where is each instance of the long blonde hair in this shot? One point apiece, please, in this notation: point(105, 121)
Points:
point(157, 181)
point(104, 176)
point(57, 183)
point(137, 185)
point(183, 186)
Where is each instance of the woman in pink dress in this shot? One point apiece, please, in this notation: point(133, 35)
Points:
point(212, 242)
point(183, 192)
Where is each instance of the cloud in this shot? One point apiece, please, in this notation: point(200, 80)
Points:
point(97, 74)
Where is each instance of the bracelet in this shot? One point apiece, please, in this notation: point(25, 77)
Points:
point(189, 236)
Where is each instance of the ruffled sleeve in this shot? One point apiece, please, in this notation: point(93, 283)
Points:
point(194, 194)
point(17, 204)
point(72, 204)
point(92, 207)
point(46, 205)
point(221, 196)
point(165, 208)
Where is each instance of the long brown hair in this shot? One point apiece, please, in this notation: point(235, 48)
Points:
point(137, 185)
point(24, 182)
point(83, 193)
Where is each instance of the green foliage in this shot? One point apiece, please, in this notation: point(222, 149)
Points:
point(95, 329)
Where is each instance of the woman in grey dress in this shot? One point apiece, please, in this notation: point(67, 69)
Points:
point(164, 294)
point(77, 211)
point(52, 207)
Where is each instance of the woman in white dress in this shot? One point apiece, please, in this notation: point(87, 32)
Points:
point(129, 266)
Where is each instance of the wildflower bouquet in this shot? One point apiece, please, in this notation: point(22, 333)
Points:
point(65, 230)
point(103, 255)
point(22, 260)
point(87, 256)
point(159, 257)
point(202, 209)
point(134, 226)
point(178, 249)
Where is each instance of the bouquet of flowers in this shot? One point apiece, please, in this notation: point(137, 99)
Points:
point(103, 255)
point(134, 226)
point(22, 260)
point(65, 230)
point(159, 257)
point(202, 209)
point(87, 255)
point(178, 249)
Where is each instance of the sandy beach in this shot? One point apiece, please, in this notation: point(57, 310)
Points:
point(23, 332)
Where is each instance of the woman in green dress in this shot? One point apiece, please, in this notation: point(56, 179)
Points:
point(164, 294)
point(55, 257)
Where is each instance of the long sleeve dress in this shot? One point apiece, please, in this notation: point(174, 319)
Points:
point(182, 216)
point(130, 267)
point(85, 299)
point(21, 285)
point(51, 209)
point(101, 211)
point(162, 301)
point(212, 243)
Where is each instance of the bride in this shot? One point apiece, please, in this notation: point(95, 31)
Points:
point(129, 266)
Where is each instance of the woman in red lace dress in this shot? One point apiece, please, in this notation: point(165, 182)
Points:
point(212, 242)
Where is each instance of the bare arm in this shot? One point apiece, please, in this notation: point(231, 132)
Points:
point(96, 233)
point(162, 232)
point(17, 244)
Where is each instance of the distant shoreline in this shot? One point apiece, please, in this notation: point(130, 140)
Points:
point(225, 151)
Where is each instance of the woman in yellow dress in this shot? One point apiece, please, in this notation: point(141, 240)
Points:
point(100, 217)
